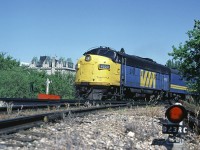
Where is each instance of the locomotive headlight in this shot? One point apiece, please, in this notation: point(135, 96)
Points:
point(87, 58)
point(104, 67)
point(77, 66)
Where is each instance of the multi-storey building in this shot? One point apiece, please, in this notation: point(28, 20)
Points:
point(52, 65)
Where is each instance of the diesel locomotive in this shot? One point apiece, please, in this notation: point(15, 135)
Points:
point(104, 73)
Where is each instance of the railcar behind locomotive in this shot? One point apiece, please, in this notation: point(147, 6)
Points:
point(104, 73)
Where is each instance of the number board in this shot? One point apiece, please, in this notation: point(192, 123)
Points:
point(173, 129)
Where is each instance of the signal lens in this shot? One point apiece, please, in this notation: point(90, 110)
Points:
point(176, 113)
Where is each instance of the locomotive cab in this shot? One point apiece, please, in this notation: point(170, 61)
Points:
point(106, 52)
point(96, 73)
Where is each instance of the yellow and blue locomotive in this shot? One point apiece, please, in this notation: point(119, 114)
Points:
point(103, 73)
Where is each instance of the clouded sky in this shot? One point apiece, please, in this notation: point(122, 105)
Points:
point(68, 28)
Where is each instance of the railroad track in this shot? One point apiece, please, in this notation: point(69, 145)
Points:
point(13, 125)
point(19, 103)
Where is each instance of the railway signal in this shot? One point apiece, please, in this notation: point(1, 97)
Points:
point(173, 126)
point(176, 113)
point(175, 116)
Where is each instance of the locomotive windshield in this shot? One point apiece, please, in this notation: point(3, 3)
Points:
point(103, 52)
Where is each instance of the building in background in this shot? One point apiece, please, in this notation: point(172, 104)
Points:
point(52, 65)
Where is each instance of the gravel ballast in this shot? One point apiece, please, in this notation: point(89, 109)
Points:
point(121, 129)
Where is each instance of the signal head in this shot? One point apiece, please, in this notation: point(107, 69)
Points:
point(176, 113)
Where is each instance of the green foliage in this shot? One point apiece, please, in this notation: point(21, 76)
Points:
point(10, 84)
point(62, 84)
point(22, 82)
point(37, 81)
point(188, 54)
point(173, 64)
point(7, 62)
point(16, 83)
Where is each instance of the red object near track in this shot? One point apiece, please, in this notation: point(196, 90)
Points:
point(48, 96)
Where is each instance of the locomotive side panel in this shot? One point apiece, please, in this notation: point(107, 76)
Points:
point(177, 84)
point(144, 79)
point(132, 77)
point(148, 79)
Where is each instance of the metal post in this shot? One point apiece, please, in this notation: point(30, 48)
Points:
point(47, 85)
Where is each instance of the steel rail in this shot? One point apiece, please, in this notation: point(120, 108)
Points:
point(40, 101)
point(8, 126)
point(37, 105)
point(19, 104)
point(13, 125)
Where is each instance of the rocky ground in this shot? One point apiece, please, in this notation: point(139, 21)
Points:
point(122, 129)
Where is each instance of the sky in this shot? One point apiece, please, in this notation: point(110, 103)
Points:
point(68, 28)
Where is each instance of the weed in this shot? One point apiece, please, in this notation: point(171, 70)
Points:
point(2, 104)
point(67, 105)
point(9, 107)
point(19, 111)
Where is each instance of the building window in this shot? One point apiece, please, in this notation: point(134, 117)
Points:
point(64, 64)
point(70, 65)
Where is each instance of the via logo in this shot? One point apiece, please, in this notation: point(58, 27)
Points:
point(147, 79)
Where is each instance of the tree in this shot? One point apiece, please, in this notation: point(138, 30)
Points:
point(188, 54)
point(20, 81)
point(62, 84)
point(7, 62)
point(173, 64)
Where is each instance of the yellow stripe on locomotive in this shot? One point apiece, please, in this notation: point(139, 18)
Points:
point(97, 70)
point(178, 87)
